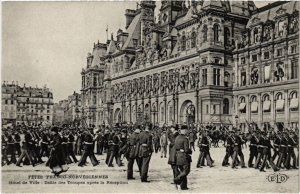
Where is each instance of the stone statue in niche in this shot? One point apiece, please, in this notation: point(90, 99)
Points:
point(193, 80)
point(279, 73)
point(171, 82)
point(294, 25)
point(254, 76)
point(150, 83)
point(162, 82)
point(182, 82)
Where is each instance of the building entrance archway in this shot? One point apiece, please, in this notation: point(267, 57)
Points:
point(187, 113)
point(117, 116)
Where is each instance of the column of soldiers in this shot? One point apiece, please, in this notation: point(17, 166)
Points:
point(28, 145)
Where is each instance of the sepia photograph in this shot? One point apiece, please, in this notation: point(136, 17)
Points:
point(171, 96)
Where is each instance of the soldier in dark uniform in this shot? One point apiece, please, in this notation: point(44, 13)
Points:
point(183, 159)
point(277, 141)
point(253, 149)
point(4, 150)
point(45, 145)
point(229, 149)
point(70, 146)
point(237, 151)
point(88, 149)
point(266, 145)
point(205, 150)
point(132, 152)
point(11, 149)
point(145, 152)
point(259, 150)
point(17, 138)
point(282, 151)
point(26, 151)
point(100, 143)
point(290, 152)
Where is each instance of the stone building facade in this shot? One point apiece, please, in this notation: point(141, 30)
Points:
point(32, 105)
point(179, 67)
point(266, 62)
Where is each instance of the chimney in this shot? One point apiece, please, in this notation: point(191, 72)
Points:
point(129, 13)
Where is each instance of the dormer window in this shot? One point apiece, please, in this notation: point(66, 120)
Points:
point(135, 42)
point(183, 43)
point(266, 55)
point(254, 58)
point(216, 33)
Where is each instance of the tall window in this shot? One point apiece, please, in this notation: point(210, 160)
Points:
point(94, 80)
point(204, 77)
point(216, 33)
point(162, 113)
point(254, 104)
point(216, 76)
point(294, 70)
point(243, 78)
point(242, 106)
point(193, 39)
point(279, 52)
point(204, 31)
point(279, 102)
point(294, 103)
point(266, 103)
point(225, 106)
point(94, 99)
point(227, 36)
point(183, 43)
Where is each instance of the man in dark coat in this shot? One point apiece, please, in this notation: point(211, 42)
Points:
point(266, 145)
point(237, 151)
point(132, 152)
point(229, 149)
point(183, 159)
point(145, 152)
point(172, 151)
point(26, 151)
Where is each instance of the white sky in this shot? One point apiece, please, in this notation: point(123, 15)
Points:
point(47, 42)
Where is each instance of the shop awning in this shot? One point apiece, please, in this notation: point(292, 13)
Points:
point(294, 103)
point(254, 107)
point(242, 106)
point(267, 105)
point(280, 105)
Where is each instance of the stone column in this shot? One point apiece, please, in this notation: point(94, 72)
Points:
point(260, 68)
point(273, 111)
point(286, 108)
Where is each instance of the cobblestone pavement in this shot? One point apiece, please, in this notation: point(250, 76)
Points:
point(113, 179)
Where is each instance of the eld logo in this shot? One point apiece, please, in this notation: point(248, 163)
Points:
point(277, 178)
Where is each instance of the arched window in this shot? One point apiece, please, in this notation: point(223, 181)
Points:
point(162, 113)
point(225, 106)
point(193, 40)
point(204, 32)
point(294, 103)
point(216, 33)
point(183, 43)
point(242, 106)
point(227, 36)
point(279, 102)
point(254, 104)
point(266, 103)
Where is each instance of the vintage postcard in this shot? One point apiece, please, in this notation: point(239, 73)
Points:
point(193, 96)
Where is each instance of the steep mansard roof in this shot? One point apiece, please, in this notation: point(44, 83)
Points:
point(270, 14)
point(133, 31)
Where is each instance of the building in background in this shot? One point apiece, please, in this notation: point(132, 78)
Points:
point(32, 105)
point(197, 62)
point(68, 111)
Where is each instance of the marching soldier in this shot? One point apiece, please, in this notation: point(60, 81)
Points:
point(290, 151)
point(26, 151)
point(277, 141)
point(44, 145)
point(266, 145)
point(253, 149)
point(88, 149)
point(282, 151)
point(229, 149)
point(237, 151)
point(205, 150)
point(172, 151)
point(259, 150)
point(11, 149)
point(183, 159)
point(145, 152)
point(17, 143)
point(70, 146)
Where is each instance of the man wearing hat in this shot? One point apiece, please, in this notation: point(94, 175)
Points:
point(290, 151)
point(204, 151)
point(266, 145)
point(145, 152)
point(132, 152)
point(173, 133)
point(183, 159)
point(164, 144)
point(282, 150)
point(237, 151)
point(229, 148)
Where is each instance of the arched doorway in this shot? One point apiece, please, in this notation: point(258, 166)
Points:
point(117, 116)
point(187, 113)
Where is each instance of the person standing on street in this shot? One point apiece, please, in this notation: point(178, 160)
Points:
point(145, 152)
point(164, 144)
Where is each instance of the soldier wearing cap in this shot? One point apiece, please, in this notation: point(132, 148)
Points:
point(229, 148)
point(266, 146)
point(276, 142)
point(282, 150)
point(88, 149)
point(259, 149)
point(253, 149)
point(183, 159)
point(145, 152)
point(132, 152)
point(290, 151)
point(237, 151)
point(204, 151)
